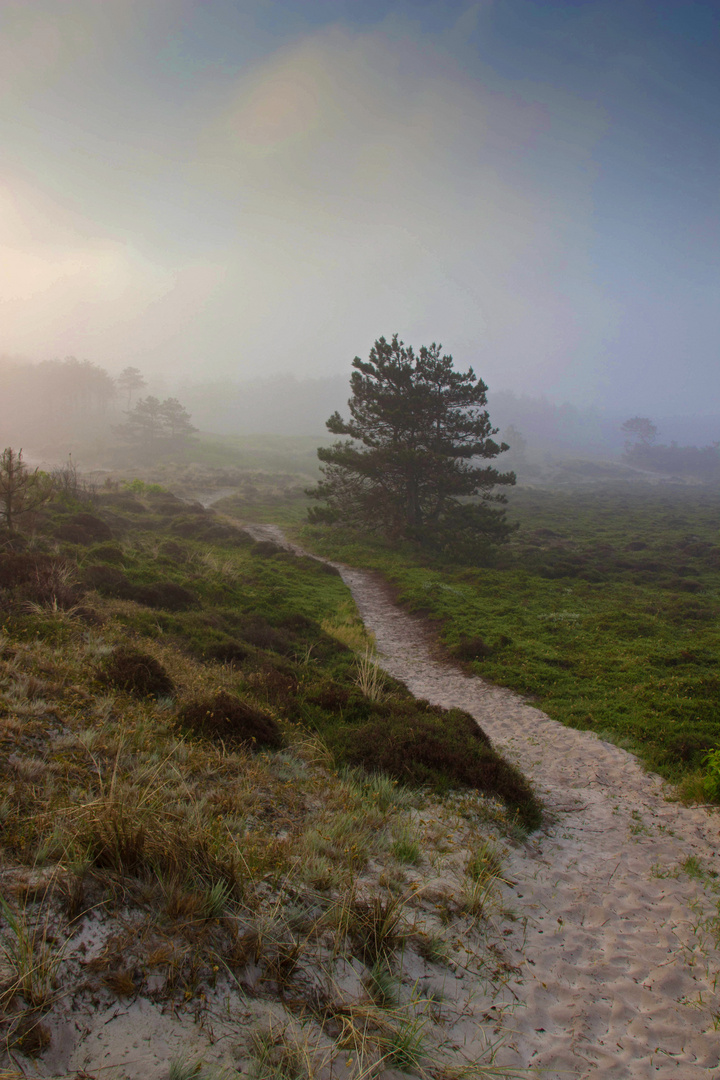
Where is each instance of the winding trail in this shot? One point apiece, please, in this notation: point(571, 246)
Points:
point(615, 958)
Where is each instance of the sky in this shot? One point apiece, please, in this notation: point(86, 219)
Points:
point(217, 189)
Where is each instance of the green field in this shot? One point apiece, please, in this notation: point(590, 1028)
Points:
point(603, 609)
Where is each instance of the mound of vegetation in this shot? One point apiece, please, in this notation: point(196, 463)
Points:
point(421, 744)
point(226, 718)
point(137, 673)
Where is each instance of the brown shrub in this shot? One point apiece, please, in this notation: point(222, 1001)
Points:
point(226, 652)
point(471, 648)
point(20, 569)
point(108, 581)
point(420, 744)
point(39, 578)
point(170, 549)
point(266, 548)
point(166, 595)
point(228, 719)
point(108, 553)
point(258, 632)
point(84, 529)
point(137, 673)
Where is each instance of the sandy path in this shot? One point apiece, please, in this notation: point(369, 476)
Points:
point(616, 973)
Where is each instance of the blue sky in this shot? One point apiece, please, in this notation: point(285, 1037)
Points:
point(213, 189)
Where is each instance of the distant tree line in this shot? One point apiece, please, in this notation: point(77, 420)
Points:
point(68, 400)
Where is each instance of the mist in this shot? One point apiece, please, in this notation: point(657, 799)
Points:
point(216, 192)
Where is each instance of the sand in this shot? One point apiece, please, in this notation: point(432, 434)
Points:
point(615, 945)
point(617, 962)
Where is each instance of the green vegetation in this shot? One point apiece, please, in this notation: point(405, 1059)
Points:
point(603, 609)
point(183, 755)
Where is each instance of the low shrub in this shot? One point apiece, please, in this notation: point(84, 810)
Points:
point(137, 673)
point(20, 569)
point(419, 744)
point(228, 719)
point(170, 549)
point(83, 529)
point(471, 648)
point(226, 652)
point(259, 632)
point(166, 595)
point(108, 553)
point(266, 548)
point(108, 581)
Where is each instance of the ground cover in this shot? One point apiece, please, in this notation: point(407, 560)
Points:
point(603, 608)
point(189, 819)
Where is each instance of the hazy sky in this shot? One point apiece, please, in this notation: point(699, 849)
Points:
point(225, 188)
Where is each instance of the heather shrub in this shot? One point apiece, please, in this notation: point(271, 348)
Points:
point(422, 745)
point(166, 595)
point(228, 719)
point(137, 673)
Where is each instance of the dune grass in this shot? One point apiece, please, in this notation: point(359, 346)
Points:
point(181, 756)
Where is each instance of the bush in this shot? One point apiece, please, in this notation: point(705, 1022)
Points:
point(170, 549)
point(258, 632)
point(20, 569)
point(137, 673)
point(83, 529)
point(267, 548)
point(471, 648)
point(711, 779)
point(420, 744)
point(108, 581)
point(226, 652)
point(108, 553)
point(166, 595)
point(228, 719)
point(39, 578)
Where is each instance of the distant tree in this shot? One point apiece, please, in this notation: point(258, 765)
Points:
point(130, 381)
point(144, 423)
point(153, 425)
point(21, 491)
point(176, 420)
point(517, 443)
point(409, 468)
point(639, 428)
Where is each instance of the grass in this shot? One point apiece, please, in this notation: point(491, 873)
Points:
point(603, 609)
point(183, 771)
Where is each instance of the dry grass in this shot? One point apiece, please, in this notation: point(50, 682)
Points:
point(371, 678)
point(212, 866)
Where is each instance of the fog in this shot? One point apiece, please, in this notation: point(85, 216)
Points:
point(232, 192)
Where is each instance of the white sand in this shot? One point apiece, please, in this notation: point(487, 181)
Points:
point(617, 974)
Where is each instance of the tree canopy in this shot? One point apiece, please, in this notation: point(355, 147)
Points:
point(155, 426)
point(409, 467)
point(641, 428)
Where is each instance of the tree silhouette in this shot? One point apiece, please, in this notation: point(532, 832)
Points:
point(130, 381)
point(640, 427)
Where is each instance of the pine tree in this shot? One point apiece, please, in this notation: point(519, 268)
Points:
point(21, 491)
point(130, 381)
point(410, 465)
point(154, 426)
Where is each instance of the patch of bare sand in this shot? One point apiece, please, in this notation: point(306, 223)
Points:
point(617, 962)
